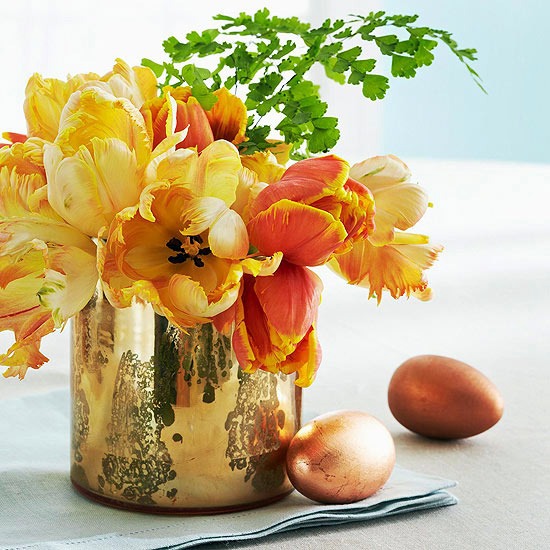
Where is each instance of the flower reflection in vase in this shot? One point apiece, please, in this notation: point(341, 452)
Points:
point(166, 422)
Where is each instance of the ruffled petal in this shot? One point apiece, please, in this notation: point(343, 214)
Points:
point(262, 339)
point(179, 166)
point(265, 165)
point(70, 279)
point(164, 202)
point(256, 345)
point(45, 99)
point(200, 214)
point(73, 189)
point(138, 84)
point(248, 188)
point(22, 313)
point(305, 235)
point(399, 205)
point(397, 267)
point(94, 113)
point(29, 327)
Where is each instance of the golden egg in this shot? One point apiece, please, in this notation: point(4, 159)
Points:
point(340, 457)
point(443, 398)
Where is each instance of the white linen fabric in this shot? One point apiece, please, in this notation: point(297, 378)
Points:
point(39, 510)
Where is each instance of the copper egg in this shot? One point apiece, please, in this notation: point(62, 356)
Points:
point(443, 398)
point(341, 457)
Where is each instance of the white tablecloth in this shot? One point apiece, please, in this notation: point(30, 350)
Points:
point(491, 308)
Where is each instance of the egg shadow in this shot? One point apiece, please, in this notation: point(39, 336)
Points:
point(411, 440)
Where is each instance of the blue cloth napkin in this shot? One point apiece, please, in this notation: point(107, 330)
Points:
point(39, 510)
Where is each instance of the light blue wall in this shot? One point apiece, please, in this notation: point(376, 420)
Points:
point(442, 113)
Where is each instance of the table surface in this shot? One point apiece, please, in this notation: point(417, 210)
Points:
point(490, 309)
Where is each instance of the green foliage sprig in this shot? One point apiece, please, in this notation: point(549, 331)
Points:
point(266, 59)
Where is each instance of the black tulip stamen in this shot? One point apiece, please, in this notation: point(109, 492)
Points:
point(178, 258)
point(178, 246)
point(174, 244)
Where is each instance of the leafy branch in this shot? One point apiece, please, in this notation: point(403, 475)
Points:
point(266, 60)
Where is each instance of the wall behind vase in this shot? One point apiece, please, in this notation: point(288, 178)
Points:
point(60, 37)
point(441, 113)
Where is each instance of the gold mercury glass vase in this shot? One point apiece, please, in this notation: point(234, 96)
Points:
point(167, 422)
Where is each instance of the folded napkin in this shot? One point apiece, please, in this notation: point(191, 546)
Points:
point(39, 510)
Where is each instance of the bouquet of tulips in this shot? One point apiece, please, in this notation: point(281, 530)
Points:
point(154, 193)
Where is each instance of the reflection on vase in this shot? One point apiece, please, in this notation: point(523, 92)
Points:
point(166, 421)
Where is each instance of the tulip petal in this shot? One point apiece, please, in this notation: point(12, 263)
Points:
point(228, 118)
point(224, 321)
point(73, 189)
point(379, 172)
point(179, 166)
point(305, 235)
point(228, 237)
point(117, 174)
point(164, 203)
point(138, 84)
point(193, 298)
point(256, 341)
point(248, 189)
point(305, 360)
point(306, 181)
point(95, 113)
point(21, 312)
point(262, 266)
point(191, 114)
point(69, 283)
point(44, 102)
point(265, 165)
point(25, 352)
point(396, 267)
point(290, 299)
point(19, 235)
point(397, 206)
point(217, 172)
point(252, 338)
point(200, 214)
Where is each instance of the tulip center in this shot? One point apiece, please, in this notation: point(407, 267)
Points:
point(187, 248)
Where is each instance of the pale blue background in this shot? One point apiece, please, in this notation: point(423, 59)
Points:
point(439, 114)
point(442, 114)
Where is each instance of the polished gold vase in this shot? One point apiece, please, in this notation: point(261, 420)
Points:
point(167, 422)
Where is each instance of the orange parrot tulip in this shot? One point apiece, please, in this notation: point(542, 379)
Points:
point(388, 259)
point(313, 211)
point(226, 120)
